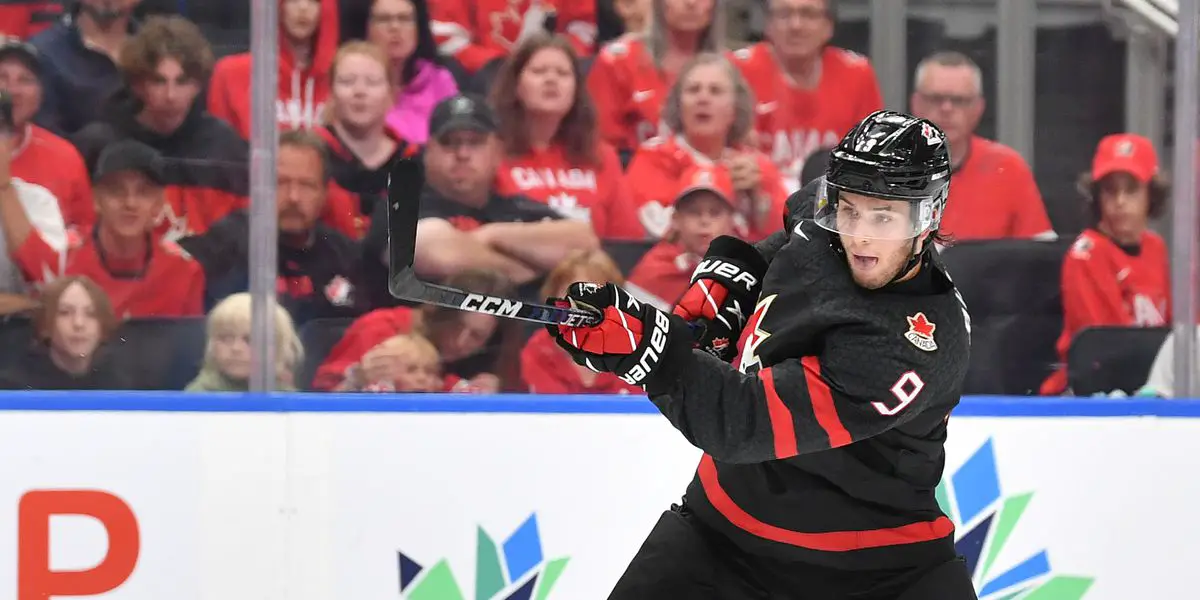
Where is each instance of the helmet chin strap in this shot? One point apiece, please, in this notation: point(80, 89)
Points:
point(915, 256)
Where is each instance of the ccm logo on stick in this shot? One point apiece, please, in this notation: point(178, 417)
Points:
point(653, 352)
point(35, 580)
point(728, 271)
point(491, 305)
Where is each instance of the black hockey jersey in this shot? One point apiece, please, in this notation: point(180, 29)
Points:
point(827, 444)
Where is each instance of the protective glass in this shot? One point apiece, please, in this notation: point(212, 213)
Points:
point(873, 218)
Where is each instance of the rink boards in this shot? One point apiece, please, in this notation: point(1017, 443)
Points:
point(306, 497)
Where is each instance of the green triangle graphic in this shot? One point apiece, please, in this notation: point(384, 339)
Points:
point(943, 499)
point(1014, 594)
point(438, 584)
point(1061, 588)
point(1010, 513)
point(489, 576)
point(550, 575)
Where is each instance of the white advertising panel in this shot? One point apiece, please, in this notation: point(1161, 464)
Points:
point(122, 505)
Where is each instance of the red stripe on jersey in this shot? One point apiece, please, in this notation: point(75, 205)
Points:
point(829, 541)
point(822, 403)
point(783, 428)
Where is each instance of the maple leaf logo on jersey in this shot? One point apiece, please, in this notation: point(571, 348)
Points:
point(750, 359)
point(920, 332)
point(720, 344)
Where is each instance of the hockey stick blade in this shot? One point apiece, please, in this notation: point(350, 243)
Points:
point(404, 191)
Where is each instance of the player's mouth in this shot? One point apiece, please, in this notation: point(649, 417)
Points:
point(864, 262)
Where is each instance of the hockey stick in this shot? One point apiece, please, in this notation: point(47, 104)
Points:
point(405, 182)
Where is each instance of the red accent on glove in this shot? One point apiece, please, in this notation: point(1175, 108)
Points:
point(702, 300)
point(618, 333)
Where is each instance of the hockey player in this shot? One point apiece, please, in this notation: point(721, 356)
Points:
point(823, 447)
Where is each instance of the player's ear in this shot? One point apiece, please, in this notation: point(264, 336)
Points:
point(922, 240)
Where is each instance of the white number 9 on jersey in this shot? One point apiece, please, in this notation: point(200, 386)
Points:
point(905, 390)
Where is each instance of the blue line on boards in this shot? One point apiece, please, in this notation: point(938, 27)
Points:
point(971, 406)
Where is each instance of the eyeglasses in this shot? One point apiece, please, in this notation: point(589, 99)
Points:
point(955, 101)
point(806, 13)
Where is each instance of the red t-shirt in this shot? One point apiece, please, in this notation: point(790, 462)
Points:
point(1104, 284)
point(53, 163)
point(663, 274)
point(170, 283)
point(546, 369)
point(475, 32)
point(993, 195)
point(596, 194)
point(659, 165)
point(792, 122)
point(628, 90)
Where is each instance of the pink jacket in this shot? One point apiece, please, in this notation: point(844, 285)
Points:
point(410, 116)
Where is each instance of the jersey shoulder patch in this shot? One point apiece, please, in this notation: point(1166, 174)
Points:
point(1082, 248)
point(615, 50)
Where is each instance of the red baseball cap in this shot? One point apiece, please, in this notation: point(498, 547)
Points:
point(706, 178)
point(1125, 153)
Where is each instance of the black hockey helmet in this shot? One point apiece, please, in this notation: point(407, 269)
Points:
point(893, 156)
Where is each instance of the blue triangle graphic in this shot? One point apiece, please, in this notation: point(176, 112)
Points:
point(409, 569)
point(524, 592)
point(970, 545)
point(1033, 567)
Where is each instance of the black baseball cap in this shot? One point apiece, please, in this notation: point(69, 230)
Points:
point(130, 155)
point(461, 112)
point(23, 51)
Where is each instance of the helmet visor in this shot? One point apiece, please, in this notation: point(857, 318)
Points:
point(857, 215)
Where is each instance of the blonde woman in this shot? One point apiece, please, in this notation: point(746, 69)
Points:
point(227, 357)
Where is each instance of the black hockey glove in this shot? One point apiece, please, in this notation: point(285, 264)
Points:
point(723, 293)
point(635, 341)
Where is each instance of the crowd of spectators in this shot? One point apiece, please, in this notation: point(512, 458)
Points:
point(549, 157)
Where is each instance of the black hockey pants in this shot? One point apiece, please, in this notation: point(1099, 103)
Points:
point(683, 559)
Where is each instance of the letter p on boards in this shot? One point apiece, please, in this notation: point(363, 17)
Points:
point(35, 580)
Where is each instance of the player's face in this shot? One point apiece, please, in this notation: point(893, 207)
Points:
point(167, 95)
point(707, 103)
point(461, 164)
point(127, 203)
point(1124, 206)
point(24, 88)
point(230, 346)
point(464, 337)
point(951, 98)
point(699, 219)
point(362, 95)
point(393, 27)
point(547, 83)
point(876, 235)
point(798, 29)
point(300, 194)
point(688, 16)
point(76, 332)
point(300, 18)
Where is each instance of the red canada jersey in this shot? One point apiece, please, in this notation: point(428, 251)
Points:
point(792, 123)
point(169, 284)
point(1105, 284)
point(547, 369)
point(593, 193)
point(993, 195)
point(475, 32)
point(660, 163)
point(628, 90)
point(663, 275)
point(53, 163)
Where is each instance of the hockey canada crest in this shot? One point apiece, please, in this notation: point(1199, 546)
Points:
point(920, 332)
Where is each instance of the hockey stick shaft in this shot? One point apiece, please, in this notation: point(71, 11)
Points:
point(404, 191)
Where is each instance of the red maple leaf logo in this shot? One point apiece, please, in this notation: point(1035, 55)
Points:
point(920, 325)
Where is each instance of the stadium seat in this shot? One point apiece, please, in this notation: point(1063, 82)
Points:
point(1106, 359)
point(160, 353)
point(1012, 289)
point(16, 334)
point(318, 336)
